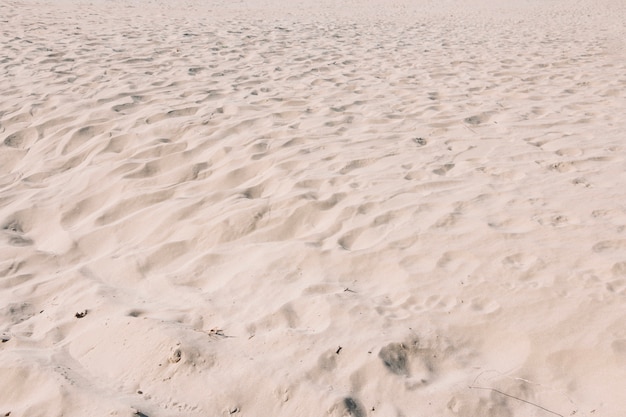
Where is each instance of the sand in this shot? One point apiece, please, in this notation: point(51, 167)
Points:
point(342, 208)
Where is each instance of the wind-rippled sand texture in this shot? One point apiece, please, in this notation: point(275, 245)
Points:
point(366, 209)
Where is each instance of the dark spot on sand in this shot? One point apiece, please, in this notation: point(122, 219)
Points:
point(14, 140)
point(353, 407)
point(13, 226)
point(81, 314)
point(394, 357)
point(420, 141)
point(444, 169)
point(473, 120)
point(20, 241)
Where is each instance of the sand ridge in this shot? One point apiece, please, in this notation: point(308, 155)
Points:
point(338, 209)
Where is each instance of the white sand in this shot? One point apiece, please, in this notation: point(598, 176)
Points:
point(335, 208)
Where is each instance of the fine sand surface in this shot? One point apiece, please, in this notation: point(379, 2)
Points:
point(342, 208)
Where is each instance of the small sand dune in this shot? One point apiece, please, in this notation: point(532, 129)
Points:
point(405, 208)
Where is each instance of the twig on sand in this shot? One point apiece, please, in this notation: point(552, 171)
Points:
point(517, 398)
point(470, 129)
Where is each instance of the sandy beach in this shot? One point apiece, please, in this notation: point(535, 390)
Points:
point(320, 208)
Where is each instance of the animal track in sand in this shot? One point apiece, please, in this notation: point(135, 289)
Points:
point(616, 286)
point(443, 170)
point(15, 232)
point(419, 362)
point(22, 139)
point(581, 182)
point(553, 219)
point(569, 152)
point(353, 407)
point(395, 358)
point(477, 119)
point(484, 305)
point(609, 246)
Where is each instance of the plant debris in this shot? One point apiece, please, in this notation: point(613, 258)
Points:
point(81, 314)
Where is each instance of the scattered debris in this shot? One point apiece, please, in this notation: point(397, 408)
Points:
point(338, 350)
point(420, 141)
point(348, 290)
point(81, 314)
point(216, 332)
